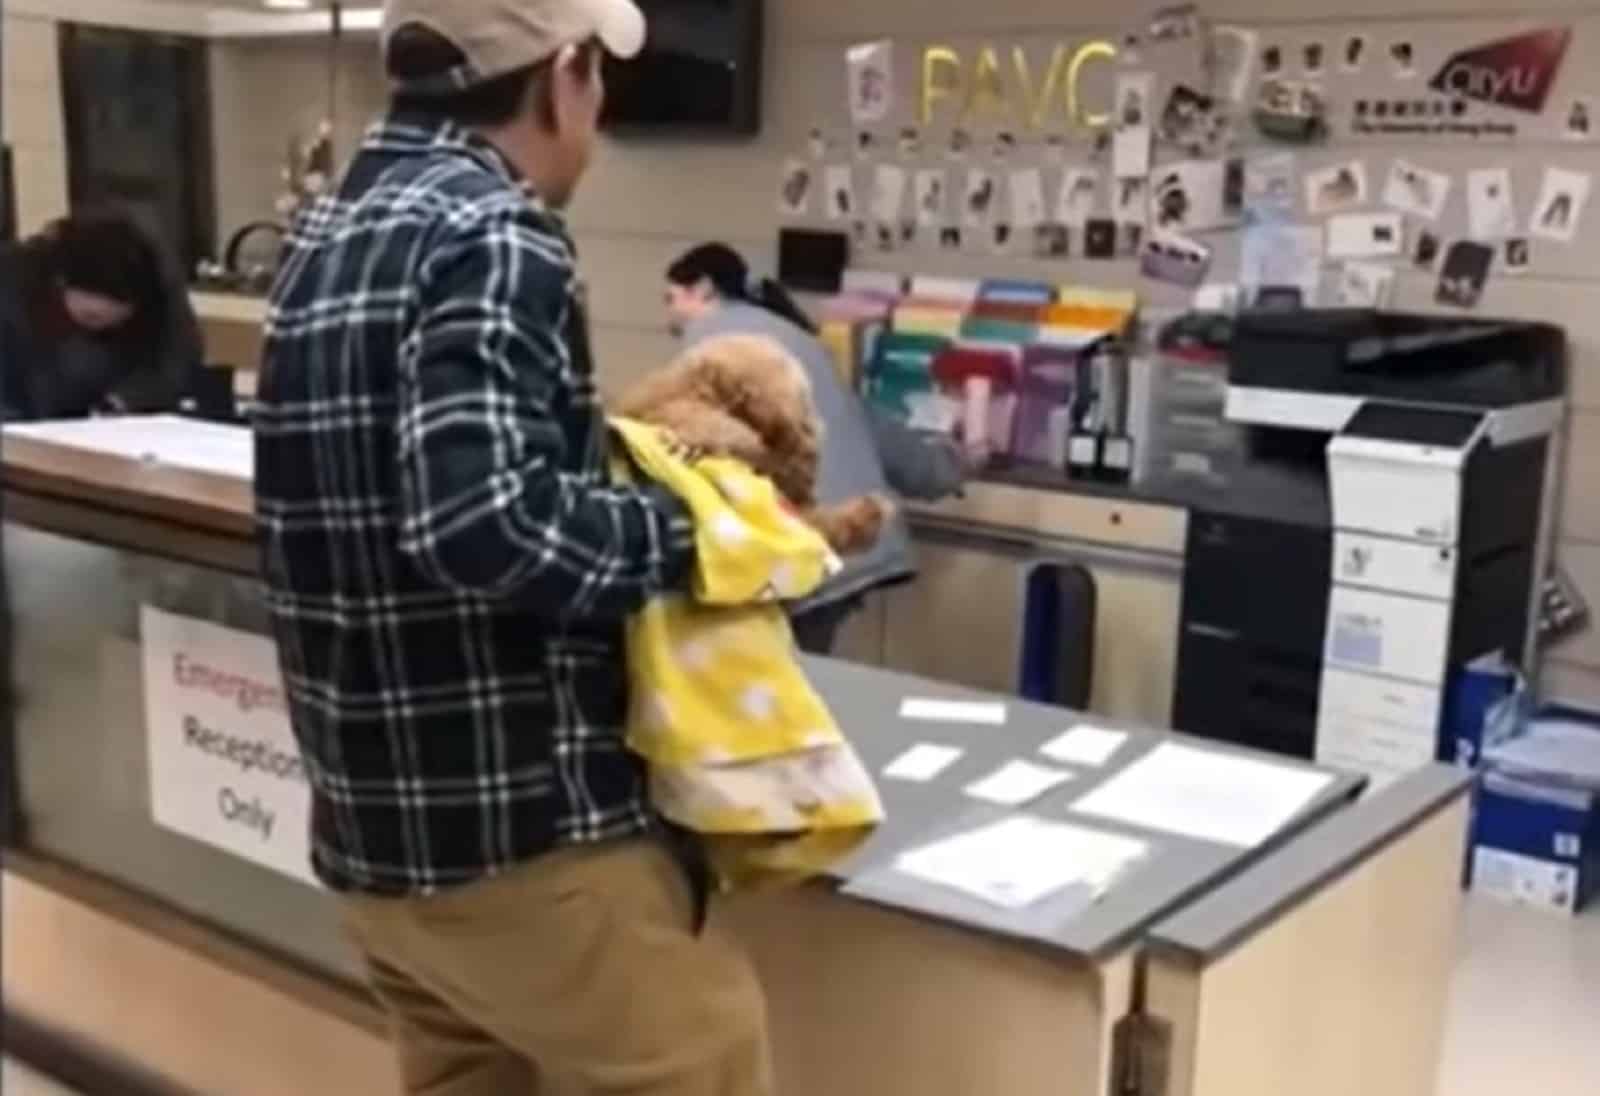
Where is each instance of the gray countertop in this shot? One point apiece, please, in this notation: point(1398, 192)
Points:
point(866, 702)
point(1259, 489)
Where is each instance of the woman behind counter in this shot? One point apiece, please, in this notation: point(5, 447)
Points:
point(710, 293)
point(92, 320)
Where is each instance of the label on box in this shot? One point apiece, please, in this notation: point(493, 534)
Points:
point(1511, 877)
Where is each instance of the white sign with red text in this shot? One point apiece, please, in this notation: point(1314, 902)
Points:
point(224, 766)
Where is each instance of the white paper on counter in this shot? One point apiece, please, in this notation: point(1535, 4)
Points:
point(1020, 860)
point(1084, 745)
point(982, 712)
point(922, 762)
point(1016, 783)
point(169, 441)
point(1209, 796)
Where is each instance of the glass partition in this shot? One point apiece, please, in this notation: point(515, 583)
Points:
point(80, 739)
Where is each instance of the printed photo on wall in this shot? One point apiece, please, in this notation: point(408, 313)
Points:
point(1518, 255)
point(1130, 147)
point(979, 200)
point(1177, 44)
point(817, 144)
point(888, 194)
point(1052, 241)
point(931, 197)
point(1491, 209)
point(840, 183)
point(1272, 61)
point(1130, 238)
point(1364, 285)
point(1100, 239)
point(1417, 191)
point(871, 69)
point(1426, 253)
point(1080, 191)
point(1580, 122)
point(1269, 186)
point(794, 192)
point(959, 145)
point(1466, 270)
point(1366, 235)
point(1129, 202)
point(1189, 196)
point(1337, 188)
point(950, 238)
point(1174, 259)
point(1005, 145)
point(866, 144)
point(1562, 199)
point(1192, 121)
point(1027, 198)
point(1354, 54)
point(910, 142)
point(1233, 59)
point(1281, 256)
point(1001, 237)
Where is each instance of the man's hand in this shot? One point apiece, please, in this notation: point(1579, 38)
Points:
point(682, 450)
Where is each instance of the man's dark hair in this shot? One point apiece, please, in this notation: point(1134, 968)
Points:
point(416, 53)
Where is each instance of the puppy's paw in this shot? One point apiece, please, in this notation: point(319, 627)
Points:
point(854, 526)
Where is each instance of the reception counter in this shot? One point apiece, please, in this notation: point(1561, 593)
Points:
point(1309, 955)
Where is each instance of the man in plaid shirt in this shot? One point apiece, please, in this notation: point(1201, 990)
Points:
point(448, 572)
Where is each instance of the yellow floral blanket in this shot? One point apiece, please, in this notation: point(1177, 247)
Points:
point(741, 748)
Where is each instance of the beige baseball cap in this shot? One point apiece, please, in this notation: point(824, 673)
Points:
point(501, 36)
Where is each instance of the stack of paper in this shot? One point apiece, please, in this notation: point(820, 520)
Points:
point(1205, 795)
point(1022, 860)
point(1560, 752)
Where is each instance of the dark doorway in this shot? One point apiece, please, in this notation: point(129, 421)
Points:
point(138, 122)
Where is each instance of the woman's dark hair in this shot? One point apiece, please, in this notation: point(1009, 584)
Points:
point(102, 252)
point(415, 53)
point(728, 273)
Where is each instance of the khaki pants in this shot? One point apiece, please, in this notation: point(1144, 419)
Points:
point(576, 975)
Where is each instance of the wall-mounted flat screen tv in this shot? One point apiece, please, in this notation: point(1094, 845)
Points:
point(700, 72)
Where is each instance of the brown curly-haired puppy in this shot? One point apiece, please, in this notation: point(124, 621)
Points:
point(745, 397)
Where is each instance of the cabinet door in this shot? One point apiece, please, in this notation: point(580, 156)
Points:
point(961, 620)
point(1135, 642)
point(861, 639)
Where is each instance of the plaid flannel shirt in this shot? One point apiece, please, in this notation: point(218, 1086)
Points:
point(447, 566)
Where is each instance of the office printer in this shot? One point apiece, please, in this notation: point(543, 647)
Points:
point(1332, 627)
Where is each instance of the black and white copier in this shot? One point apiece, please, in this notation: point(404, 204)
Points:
point(1430, 447)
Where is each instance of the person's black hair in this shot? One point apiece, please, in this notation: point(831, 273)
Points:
point(727, 273)
point(102, 252)
point(416, 53)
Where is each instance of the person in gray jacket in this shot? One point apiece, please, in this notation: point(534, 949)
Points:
point(93, 319)
point(710, 293)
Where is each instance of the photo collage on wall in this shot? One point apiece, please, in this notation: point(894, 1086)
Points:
point(1210, 131)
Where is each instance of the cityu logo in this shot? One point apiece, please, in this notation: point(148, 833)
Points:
point(1512, 72)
